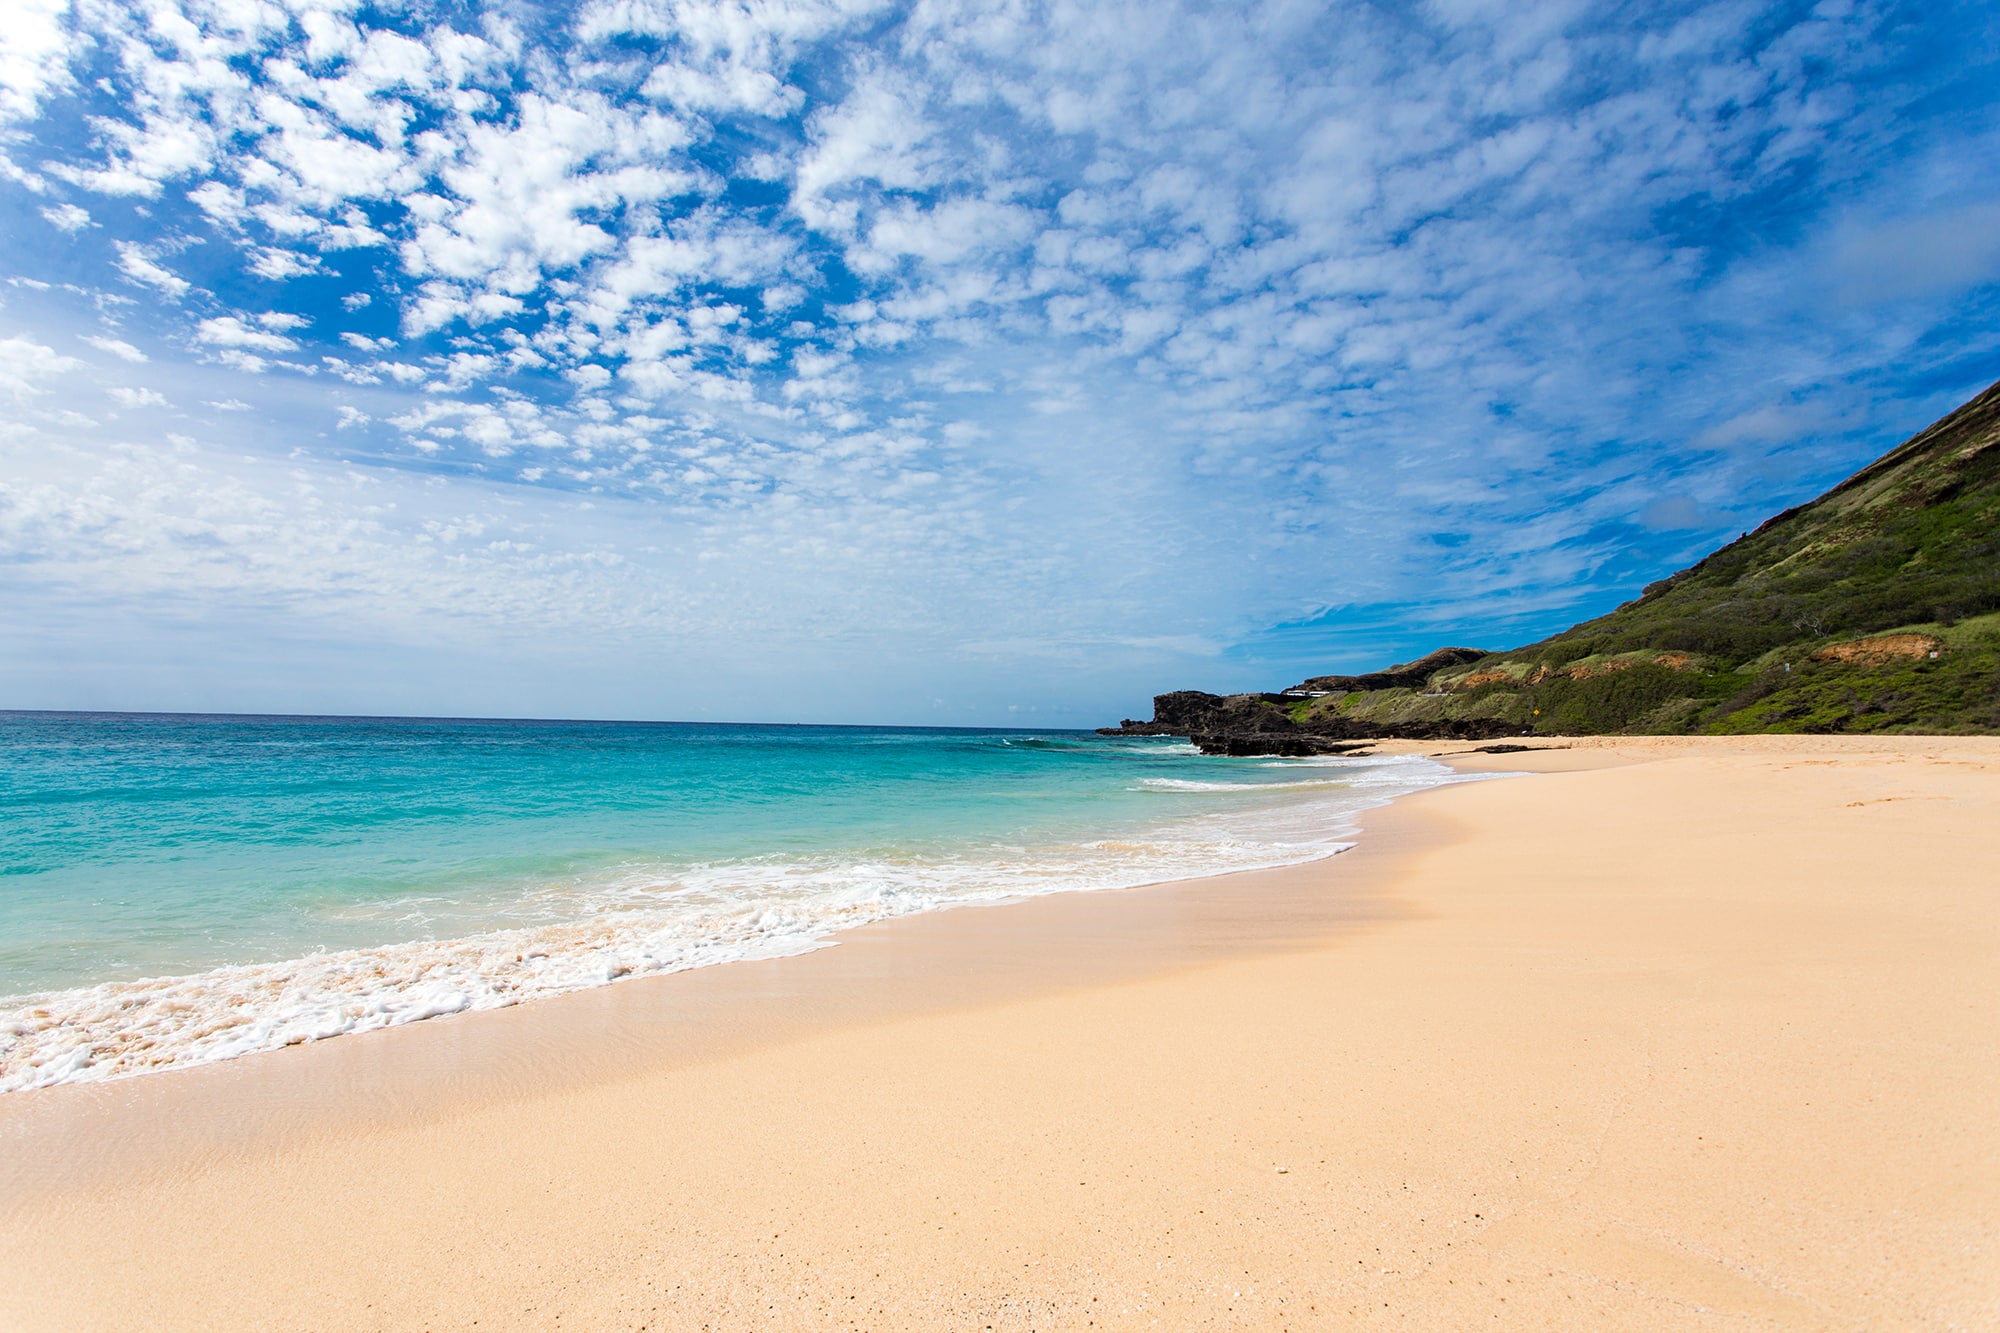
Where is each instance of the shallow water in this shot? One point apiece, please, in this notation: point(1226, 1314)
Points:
point(177, 889)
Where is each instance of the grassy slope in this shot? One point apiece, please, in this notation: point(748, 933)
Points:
point(1910, 543)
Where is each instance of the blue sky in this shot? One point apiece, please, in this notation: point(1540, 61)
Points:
point(953, 363)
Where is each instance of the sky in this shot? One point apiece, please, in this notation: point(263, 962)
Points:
point(939, 363)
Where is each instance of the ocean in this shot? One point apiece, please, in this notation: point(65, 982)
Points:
point(176, 889)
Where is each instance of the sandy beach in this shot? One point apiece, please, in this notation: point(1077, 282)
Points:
point(1660, 1034)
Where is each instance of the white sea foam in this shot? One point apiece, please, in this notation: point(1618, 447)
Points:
point(645, 920)
point(1247, 788)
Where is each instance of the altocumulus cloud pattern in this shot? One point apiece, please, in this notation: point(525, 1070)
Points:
point(913, 362)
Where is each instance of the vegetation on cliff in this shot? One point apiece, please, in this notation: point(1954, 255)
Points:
point(1874, 608)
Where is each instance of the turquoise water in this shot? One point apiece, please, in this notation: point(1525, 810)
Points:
point(176, 889)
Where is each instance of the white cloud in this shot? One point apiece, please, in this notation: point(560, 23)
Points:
point(68, 217)
point(129, 397)
point(26, 366)
point(321, 167)
point(221, 203)
point(118, 347)
point(144, 156)
point(727, 57)
point(464, 368)
point(307, 540)
point(231, 331)
point(141, 267)
point(732, 88)
point(878, 135)
point(34, 54)
point(949, 232)
point(278, 265)
point(518, 193)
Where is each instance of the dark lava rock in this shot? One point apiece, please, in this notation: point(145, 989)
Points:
point(1296, 745)
point(1186, 712)
point(1254, 724)
point(1341, 736)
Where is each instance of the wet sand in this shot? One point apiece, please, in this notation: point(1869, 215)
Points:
point(1670, 1033)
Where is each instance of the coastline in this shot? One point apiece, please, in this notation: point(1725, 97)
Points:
point(380, 913)
point(960, 956)
point(1671, 1033)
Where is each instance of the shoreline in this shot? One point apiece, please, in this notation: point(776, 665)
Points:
point(952, 957)
point(1473, 1042)
point(640, 919)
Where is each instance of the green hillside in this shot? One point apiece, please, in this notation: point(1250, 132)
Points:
point(1874, 608)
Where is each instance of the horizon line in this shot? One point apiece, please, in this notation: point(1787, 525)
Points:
point(553, 721)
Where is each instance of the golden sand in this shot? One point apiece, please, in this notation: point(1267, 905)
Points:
point(1689, 1034)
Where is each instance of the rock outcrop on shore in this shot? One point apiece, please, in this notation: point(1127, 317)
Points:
point(1274, 724)
point(1875, 608)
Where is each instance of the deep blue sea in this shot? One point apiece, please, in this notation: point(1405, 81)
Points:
point(175, 889)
